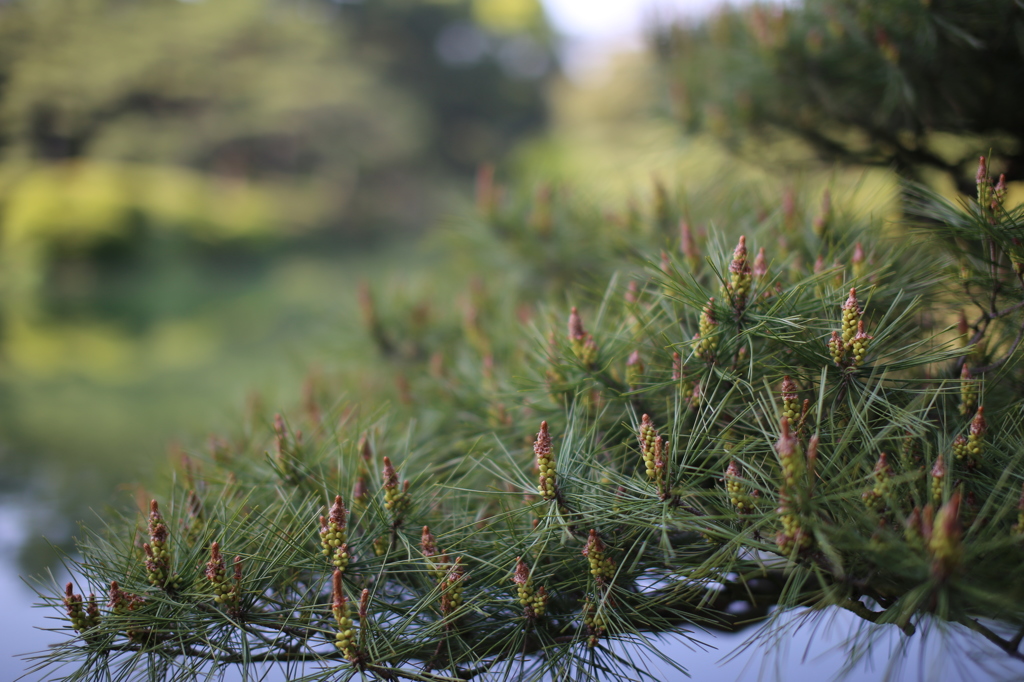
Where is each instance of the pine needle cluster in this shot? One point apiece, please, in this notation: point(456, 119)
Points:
point(713, 439)
point(899, 84)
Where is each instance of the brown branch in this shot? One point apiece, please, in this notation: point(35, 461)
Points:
point(1008, 646)
point(1003, 360)
point(981, 327)
point(857, 607)
point(387, 672)
point(1015, 642)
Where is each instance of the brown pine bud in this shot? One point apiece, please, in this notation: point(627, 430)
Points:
point(760, 264)
point(364, 604)
point(945, 544)
point(688, 245)
point(976, 436)
point(938, 475)
point(428, 543)
point(396, 500)
point(390, 475)
point(583, 345)
point(738, 287)
point(545, 460)
point(858, 260)
point(790, 455)
point(576, 331)
point(790, 400)
point(812, 457)
point(364, 447)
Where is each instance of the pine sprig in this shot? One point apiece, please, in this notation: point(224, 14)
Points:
point(678, 482)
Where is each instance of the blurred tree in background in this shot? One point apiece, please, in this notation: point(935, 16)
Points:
point(242, 119)
point(478, 67)
point(919, 86)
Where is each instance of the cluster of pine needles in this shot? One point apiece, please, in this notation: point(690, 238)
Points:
point(784, 409)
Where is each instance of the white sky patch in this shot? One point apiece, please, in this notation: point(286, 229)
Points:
point(618, 19)
point(593, 29)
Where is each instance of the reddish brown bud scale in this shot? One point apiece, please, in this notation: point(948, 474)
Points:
point(364, 604)
point(522, 572)
point(576, 331)
point(938, 474)
point(365, 450)
point(545, 463)
point(687, 244)
point(851, 302)
point(739, 255)
point(787, 443)
point(812, 454)
point(337, 591)
point(882, 465)
point(157, 528)
point(594, 544)
point(789, 389)
point(760, 264)
point(390, 475)
point(339, 514)
point(361, 490)
point(428, 544)
point(738, 287)
point(115, 595)
point(978, 424)
point(215, 566)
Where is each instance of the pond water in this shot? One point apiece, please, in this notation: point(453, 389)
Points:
point(98, 381)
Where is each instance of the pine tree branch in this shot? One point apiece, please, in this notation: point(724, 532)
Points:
point(1015, 642)
point(1008, 646)
point(1003, 360)
point(857, 607)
